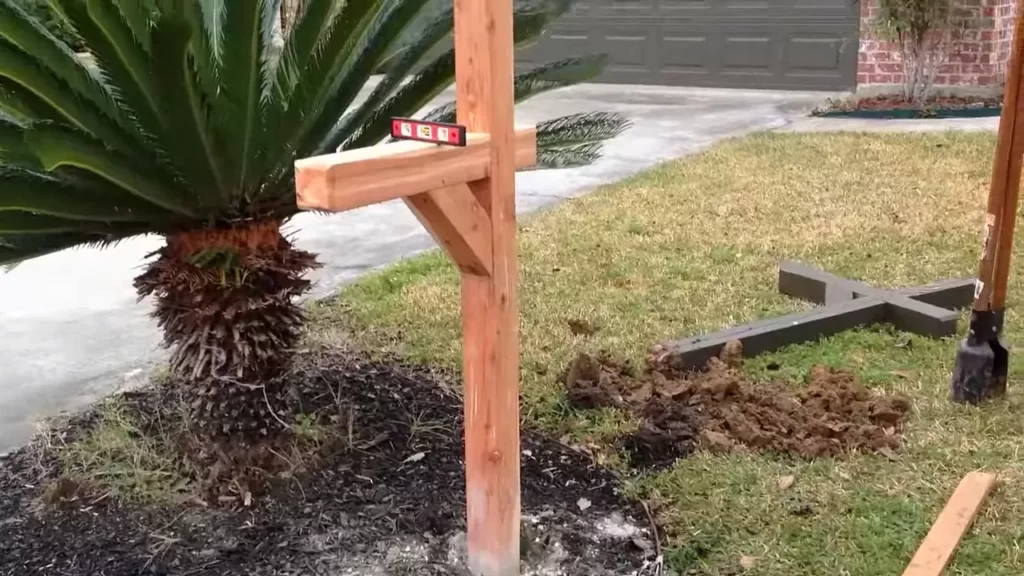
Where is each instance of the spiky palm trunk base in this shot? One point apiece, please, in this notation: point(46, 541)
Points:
point(225, 300)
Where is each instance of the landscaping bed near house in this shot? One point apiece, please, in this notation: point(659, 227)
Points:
point(693, 246)
point(894, 106)
point(371, 482)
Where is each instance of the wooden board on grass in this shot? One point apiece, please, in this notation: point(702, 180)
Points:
point(956, 518)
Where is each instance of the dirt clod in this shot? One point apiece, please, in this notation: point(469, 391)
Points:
point(716, 441)
point(732, 354)
point(594, 382)
point(719, 411)
point(668, 433)
point(582, 327)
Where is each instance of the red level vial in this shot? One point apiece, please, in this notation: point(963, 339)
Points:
point(433, 132)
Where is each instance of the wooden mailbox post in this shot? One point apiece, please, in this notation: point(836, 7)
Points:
point(465, 197)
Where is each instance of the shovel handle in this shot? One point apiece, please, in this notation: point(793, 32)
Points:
point(1004, 243)
point(1001, 212)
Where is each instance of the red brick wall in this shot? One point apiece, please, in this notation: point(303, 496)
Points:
point(1005, 12)
point(978, 59)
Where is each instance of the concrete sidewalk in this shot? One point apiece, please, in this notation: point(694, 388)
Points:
point(72, 331)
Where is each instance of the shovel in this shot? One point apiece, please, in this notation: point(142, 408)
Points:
point(982, 359)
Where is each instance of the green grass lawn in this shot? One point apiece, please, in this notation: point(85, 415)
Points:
point(693, 246)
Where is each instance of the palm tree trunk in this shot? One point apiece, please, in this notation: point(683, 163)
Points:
point(226, 302)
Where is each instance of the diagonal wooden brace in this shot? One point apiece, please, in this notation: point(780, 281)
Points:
point(457, 221)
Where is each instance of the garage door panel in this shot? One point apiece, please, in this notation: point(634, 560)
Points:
point(799, 44)
point(635, 50)
point(800, 9)
point(810, 51)
point(782, 55)
point(686, 50)
point(582, 10)
point(562, 40)
point(748, 51)
point(824, 54)
point(634, 46)
point(628, 8)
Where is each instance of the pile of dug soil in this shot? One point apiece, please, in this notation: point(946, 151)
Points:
point(718, 410)
point(389, 499)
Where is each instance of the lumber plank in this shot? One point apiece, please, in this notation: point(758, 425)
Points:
point(915, 316)
point(915, 310)
point(821, 287)
point(950, 294)
point(846, 303)
point(935, 552)
point(356, 178)
point(772, 333)
point(815, 285)
point(458, 222)
point(484, 96)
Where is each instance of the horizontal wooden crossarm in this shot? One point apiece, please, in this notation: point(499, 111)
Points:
point(357, 178)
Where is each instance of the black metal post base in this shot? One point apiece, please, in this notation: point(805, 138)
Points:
point(982, 361)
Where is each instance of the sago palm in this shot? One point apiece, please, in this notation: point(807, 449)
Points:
point(187, 123)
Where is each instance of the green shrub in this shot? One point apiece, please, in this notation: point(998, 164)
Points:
point(926, 33)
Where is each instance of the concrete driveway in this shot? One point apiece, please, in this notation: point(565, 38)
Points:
point(71, 329)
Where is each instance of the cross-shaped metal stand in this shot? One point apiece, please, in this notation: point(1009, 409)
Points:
point(926, 310)
point(465, 197)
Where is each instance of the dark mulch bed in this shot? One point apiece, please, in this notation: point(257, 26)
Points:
point(892, 106)
point(387, 500)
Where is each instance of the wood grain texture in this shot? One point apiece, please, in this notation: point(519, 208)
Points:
point(937, 549)
point(458, 222)
point(466, 198)
point(357, 178)
point(484, 96)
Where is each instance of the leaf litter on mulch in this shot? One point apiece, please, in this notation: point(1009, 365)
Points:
point(387, 498)
point(900, 102)
point(717, 409)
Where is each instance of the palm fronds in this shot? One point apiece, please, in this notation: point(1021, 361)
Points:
point(192, 115)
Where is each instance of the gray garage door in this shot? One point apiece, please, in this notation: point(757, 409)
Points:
point(780, 44)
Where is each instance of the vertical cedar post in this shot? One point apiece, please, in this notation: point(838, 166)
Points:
point(484, 97)
point(465, 197)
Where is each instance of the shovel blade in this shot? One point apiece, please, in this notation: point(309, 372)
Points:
point(980, 371)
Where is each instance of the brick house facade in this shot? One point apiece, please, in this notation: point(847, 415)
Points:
point(978, 62)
